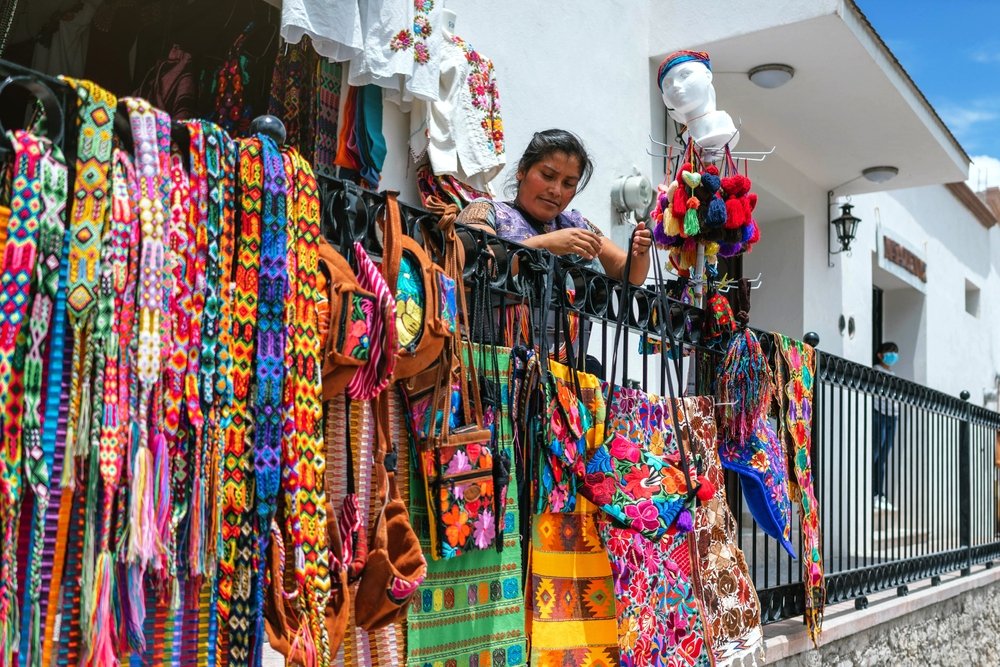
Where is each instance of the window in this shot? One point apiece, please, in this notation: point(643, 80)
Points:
point(971, 299)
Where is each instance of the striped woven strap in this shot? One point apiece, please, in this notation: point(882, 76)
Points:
point(236, 561)
point(312, 555)
point(270, 367)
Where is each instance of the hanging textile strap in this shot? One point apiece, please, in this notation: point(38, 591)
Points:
point(794, 378)
point(19, 257)
point(47, 314)
point(305, 385)
point(96, 111)
point(236, 562)
point(181, 263)
point(216, 384)
point(270, 365)
point(90, 207)
point(194, 305)
point(142, 543)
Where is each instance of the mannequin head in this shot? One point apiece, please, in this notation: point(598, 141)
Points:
point(685, 80)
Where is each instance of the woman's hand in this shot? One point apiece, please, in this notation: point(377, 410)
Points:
point(641, 240)
point(568, 241)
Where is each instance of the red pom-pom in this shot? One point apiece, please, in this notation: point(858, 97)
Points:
point(752, 199)
point(736, 214)
point(706, 490)
point(679, 204)
point(693, 202)
point(712, 169)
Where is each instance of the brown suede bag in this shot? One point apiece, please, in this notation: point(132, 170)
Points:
point(396, 565)
point(283, 612)
point(422, 328)
point(340, 358)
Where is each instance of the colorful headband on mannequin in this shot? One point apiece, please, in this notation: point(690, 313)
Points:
point(678, 57)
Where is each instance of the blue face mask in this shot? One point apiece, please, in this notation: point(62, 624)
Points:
point(890, 358)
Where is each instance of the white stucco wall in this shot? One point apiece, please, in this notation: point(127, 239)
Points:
point(954, 350)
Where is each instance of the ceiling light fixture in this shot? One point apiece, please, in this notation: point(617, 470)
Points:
point(880, 174)
point(772, 75)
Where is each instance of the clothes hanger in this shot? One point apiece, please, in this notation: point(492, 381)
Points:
point(51, 107)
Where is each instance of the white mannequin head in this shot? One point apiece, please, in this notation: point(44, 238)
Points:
point(685, 80)
point(688, 91)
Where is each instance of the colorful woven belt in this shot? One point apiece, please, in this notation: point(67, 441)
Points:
point(268, 423)
point(19, 257)
point(304, 384)
point(236, 562)
point(48, 313)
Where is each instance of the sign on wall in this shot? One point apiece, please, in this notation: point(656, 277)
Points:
point(902, 257)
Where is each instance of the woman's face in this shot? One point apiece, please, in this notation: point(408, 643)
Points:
point(547, 188)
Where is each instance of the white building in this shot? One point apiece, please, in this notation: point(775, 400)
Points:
point(590, 67)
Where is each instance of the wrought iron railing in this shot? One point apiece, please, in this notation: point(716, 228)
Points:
point(943, 491)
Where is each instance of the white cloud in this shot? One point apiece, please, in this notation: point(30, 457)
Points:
point(962, 119)
point(986, 56)
point(984, 172)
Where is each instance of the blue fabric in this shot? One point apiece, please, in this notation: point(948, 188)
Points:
point(762, 466)
point(884, 432)
point(368, 131)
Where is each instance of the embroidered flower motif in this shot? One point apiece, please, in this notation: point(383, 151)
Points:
point(459, 463)
point(402, 41)
point(421, 53)
point(421, 26)
point(458, 528)
point(640, 483)
point(643, 516)
point(423, 5)
point(759, 461)
point(484, 531)
point(601, 488)
point(625, 450)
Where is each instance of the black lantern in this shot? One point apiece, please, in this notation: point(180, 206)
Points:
point(846, 226)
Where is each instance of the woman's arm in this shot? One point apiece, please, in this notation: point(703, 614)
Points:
point(613, 258)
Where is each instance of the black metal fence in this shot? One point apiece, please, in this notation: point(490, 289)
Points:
point(941, 511)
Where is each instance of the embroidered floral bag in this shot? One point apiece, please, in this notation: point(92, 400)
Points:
point(454, 448)
point(636, 487)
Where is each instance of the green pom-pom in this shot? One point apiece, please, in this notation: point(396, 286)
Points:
point(691, 227)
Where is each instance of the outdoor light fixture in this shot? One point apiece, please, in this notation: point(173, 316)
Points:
point(880, 174)
point(846, 226)
point(772, 75)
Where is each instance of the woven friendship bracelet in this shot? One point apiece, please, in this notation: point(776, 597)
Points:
point(236, 562)
point(19, 257)
point(48, 313)
point(270, 369)
point(310, 541)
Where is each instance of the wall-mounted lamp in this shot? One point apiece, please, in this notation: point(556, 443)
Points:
point(845, 225)
point(632, 194)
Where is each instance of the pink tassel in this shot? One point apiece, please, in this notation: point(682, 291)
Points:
point(303, 644)
point(136, 608)
point(141, 531)
point(102, 648)
point(161, 486)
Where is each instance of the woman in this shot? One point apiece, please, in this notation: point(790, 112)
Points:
point(554, 167)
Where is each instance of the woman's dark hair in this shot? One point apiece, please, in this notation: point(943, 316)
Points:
point(887, 346)
point(545, 143)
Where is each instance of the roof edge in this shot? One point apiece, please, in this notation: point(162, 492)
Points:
point(983, 213)
point(906, 76)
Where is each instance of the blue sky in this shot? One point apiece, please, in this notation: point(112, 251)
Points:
point(952, 50)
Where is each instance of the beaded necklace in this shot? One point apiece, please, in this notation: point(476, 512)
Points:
point(236, 562)
point(19, 256)
point(305, 383)
point(270, 362)
point(48, 314)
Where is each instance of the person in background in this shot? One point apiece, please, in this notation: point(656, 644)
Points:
point(885, 414)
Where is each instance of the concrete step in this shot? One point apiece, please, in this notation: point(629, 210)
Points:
point(897, 538)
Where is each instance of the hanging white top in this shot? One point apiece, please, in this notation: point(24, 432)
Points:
point(333, 25)
point(462, 132)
